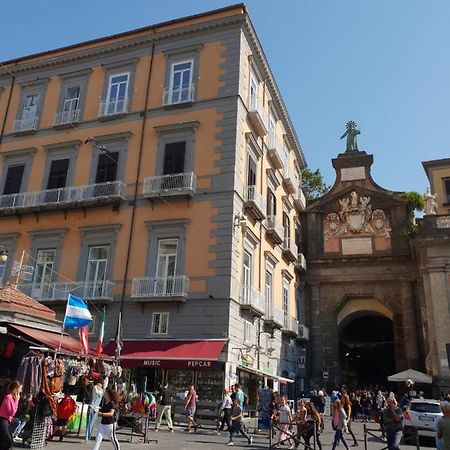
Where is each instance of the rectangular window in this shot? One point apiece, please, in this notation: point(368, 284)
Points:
point(174, 157)
point(96, 271)
point(285, 299)
point(180, 89)
point(447, 191)
point(13, 180)
point(247, 331)
point(253, 93)
point(72, 99)
point(272, 131)
point(166, 265)
point(43, 270)
point(269, 293)
point(29, 111)
point(160, 323)
point(2, 271)
point(247, 275)
point(251, 172)
point(271, 203)
point(107, 167)
point(117, 96)
point(57, 176)
point(287, 228)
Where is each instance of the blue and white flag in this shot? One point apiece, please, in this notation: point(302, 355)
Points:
point(77, 313)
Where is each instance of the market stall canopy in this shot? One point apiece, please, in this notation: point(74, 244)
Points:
point(411, 374)
point(189, 354)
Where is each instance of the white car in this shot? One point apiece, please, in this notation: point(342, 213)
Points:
point(423, 415)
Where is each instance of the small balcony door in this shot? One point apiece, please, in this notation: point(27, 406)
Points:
point(269, 293)
point(247, 276)
point(253, 93)
point(174, 163)
point(117, 93)
point(43, 273)
point(166, 266)
point(287, 229)
point(13, 180)
point(71, 104)
point(271, 203)
point(57, 178)
point(106, 173)
point(181, 82)
point(285, 298)
point(29, 111)
point(96, 271)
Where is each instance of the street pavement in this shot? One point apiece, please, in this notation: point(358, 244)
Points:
point(205, 439)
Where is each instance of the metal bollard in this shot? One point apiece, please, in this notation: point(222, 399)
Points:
point(417, 439)
point(365, 437)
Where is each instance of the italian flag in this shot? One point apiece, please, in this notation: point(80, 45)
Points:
point(101, 334)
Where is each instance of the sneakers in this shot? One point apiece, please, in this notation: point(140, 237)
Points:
point(170, 429)
point(355, 444)
point(17, 439)
point(156, 430)
point(230, 443)
point(250, 442)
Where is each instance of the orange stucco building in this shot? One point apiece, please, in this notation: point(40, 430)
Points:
point(157, 172)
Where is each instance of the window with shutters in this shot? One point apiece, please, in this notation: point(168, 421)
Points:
point(271, 203)
point(287, 228)
point(13, 180)
point(247, 331)
point(251, 171)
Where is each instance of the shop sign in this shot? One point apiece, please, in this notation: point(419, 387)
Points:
point(264, 399)
point(193, 364)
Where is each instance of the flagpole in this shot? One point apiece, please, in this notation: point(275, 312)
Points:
point(62, 330)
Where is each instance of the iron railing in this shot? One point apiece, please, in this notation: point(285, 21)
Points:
point(301, 261)
point(290, 324)
point(25, 124)
point(66, 117)
point(254, 196)
point(274, 314)
point(113, 107)
point(252, 298)
point(170, 184)
point(173, 96)
point(174, 286)
point(63, 196)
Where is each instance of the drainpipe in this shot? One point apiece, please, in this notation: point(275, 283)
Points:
point(7, 108)
point(133, 213)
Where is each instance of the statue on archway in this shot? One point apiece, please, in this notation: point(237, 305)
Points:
point(431, 206)
point(351, 133)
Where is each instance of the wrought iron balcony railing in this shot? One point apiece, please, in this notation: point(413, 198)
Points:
point(66, 117)
point(148, 287)
point(113, 107)
point(172, 184)
point(174, 96)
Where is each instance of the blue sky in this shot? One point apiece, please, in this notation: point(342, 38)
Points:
point(383, 63)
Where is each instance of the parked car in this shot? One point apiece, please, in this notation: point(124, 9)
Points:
point(423, 415)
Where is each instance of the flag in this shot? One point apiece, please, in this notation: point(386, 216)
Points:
point(102, 334)
point(119, 343)
point(77, 313)
point(84, 340)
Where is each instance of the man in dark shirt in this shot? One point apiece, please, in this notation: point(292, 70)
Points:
point(165, 407)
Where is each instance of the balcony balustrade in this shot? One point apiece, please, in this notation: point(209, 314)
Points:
point(66, 118)
point(109, 108)
point(173, 96)
point(290, 326)
point(300, 200)
point(254, 203)
point(276, 153)
point(300, 263)
point(62, 198)
point(290, 251)
point(303, 332)
point(252, 300)
point(274, 229)
point(258, 116)
point(177, 184)
point(289, 180)
point(174, 288)
point(273, 317)
point(25, 124)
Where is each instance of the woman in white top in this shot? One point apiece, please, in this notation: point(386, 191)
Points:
point(285, 422)
point(225, 408)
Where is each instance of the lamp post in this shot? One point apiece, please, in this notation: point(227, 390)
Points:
point(3, 254)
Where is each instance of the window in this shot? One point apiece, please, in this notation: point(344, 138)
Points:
point(287, 228)
point(269, 292)
point(247, 331)
point(43, 273)
point(271, 203)
point(174, 157)
point(253, 93)
point(160, 323)
point(247, 275)
point(107, 167)
point(180, 89)
point(29, 112)
point(117, 96)
point(251, 172)
point(447, 191)
point(71, 106)
point(166, 266)
point(285, 298)
point(96, 270)
point(13, 180)
point(272, 131)
point(2, 271)
point(58, 173)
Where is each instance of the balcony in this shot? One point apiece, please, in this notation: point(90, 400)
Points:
point(290, 252)
point(274, 230)
point(178, 96)
point(113, 108)
point(177, 184)
point(276, 153)
point(273, 318)
point(300, 264)
point(252, 300)
point(257, 116)
point(66, 118)
point(300, 200)
point(288, 180)
point(254, 203)
point(55, 292)
point(290, 326)
point(62, 198)
point(174, 288)
point(303, 332)
point(25, 125)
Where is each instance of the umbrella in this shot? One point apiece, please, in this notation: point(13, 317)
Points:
point(410, 374)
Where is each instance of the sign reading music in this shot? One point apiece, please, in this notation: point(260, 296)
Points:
point(192, 364)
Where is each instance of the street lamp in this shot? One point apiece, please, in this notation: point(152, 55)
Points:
point(3, 254)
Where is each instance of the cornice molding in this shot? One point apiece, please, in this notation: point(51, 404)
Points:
point(63, 145)
point(174, 127)
point(30, 151)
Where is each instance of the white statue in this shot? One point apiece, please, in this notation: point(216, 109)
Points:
point(431, 205)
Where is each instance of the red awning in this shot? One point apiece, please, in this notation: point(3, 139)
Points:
point(50, 339)
point(191, 354)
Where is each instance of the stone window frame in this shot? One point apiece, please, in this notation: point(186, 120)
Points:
point(8, 242)
point(117, 142)
point(15, 158)
point(179, 54)
point(80, 79)
point(99, 235)
point(166, 229)
point(46, 240)
point(446, 196)
point(63, 150)
point(119, 67)
point(185, 131)
point(31, 88)
point(247, 323)
point(151, 317)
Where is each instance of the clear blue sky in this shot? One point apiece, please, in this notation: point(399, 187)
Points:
point(383, 63)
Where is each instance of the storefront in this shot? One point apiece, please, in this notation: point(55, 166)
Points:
point(147, 364)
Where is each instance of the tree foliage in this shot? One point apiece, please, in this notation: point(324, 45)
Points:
point(313, 184)
point(415, 200)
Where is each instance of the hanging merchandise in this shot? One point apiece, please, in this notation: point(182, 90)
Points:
point(29, 374)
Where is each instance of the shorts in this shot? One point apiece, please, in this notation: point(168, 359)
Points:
point(190, 411)
point(61, 422)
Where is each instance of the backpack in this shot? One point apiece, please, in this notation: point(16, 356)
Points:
point(245, 400)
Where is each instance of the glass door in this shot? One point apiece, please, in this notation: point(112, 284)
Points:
point(180, 82)
point(269, 300)
point(43, 273)
point(117, 93)
point(166, 266)
point(96, 271)
point(29, 111)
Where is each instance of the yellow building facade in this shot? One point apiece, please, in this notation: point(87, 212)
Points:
point(156, 173)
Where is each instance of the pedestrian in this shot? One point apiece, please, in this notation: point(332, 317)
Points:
point(21, 418)
point(108, 425)
point(346, 403)
point(225, 409)
point(190, 408)
point(313, 421)
point(65, 410)
point(393, 424)
point(443, 428)
point(338, 423)
point(165, 399)
point(285, 423)
point(8, 408)
point(240, 395)
point(300, 419)
point(236, 423)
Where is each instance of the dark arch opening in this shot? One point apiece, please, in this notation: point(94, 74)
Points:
point(366, 348)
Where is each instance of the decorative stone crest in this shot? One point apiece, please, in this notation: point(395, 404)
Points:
point(356, 216)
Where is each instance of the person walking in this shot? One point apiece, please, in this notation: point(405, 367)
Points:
point(300, 419)
point(443, 428)
point(8, 408)
point(165, 400)
point(190, 408)
point(236, 423)
point(347, 405)
point(313, 420)
point(225, 409)
point(66, 408)
point(338, 422)
point(108, 425)
point(285, 423)
point(393, 424)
